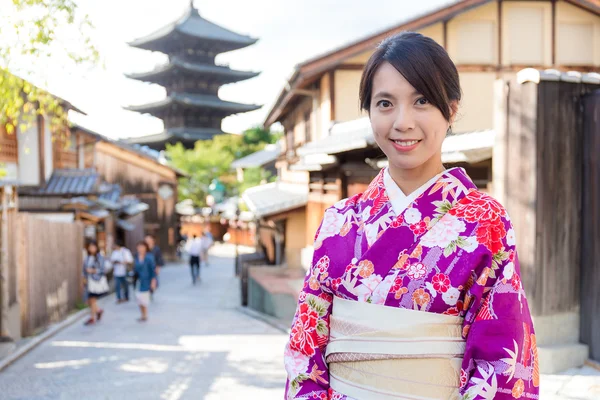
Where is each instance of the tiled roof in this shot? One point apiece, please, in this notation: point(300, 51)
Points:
point(259, 158)
point(192, 24)
point(204, 101)
point(276, 197)
point(344, 136)
point(70, 182)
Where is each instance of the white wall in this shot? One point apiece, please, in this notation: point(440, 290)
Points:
point(48, 159)
point(29, 159)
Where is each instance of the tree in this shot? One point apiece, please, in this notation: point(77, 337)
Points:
point(210, 159)
point(33, 31)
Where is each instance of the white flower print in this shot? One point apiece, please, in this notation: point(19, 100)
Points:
point(444, 232)
point(450, 296)
point(412, 216)
point(381, 292)
point(340, 205)
point(332, 224)
point(510, 237)
point(417, 271)
point(367, 286)
point(296, 363)
point(371, 231)
point(472, 244)
point(509, 271)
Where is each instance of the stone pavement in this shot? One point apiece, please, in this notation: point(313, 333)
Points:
point(196, 345)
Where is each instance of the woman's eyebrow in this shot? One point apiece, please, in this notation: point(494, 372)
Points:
point(384, 94)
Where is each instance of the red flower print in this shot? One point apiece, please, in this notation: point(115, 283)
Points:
point(511, 256)
point(307, 316)
point(302, 340)
point(302, 296)
point(516, 282)
point(463, 378)
point(478, 207)
point(335, 283)
point(327, 297)
point(490, 234)
point(421, 297)
point(419, 228)
point(441, 283)
point(322, 264)
point(397, 222)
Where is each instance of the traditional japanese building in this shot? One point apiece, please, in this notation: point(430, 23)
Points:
point(192, 109)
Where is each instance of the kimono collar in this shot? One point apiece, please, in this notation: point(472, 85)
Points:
point(397, 198)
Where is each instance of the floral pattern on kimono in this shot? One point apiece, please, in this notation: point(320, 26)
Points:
point(452, 251)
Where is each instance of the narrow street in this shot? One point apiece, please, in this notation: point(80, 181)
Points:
point(196, 345)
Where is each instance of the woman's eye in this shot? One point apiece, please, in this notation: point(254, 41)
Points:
point(384, 104)
point(422, 101)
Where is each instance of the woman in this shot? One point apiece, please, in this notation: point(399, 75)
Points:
point(96, 284)
point(145, 269)
point(414, 290)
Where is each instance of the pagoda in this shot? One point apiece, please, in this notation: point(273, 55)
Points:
point(192, 109)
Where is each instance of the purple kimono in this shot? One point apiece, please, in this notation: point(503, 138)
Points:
point(451, 250)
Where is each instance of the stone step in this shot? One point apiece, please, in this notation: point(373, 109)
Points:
point(558, 358)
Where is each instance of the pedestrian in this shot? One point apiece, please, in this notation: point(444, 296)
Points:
point(121, 260)
point(158, 258)
point(145, 268)
point(207, 243)
point(95, 281)
point(414, 290)
point(194, 247)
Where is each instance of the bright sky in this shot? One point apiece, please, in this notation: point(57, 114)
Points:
point(288, 32)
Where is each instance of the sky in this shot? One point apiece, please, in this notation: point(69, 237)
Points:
point(289, 32)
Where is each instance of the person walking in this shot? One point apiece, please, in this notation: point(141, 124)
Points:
point(158, 258)
point(95, 281)
point(145, 268)
point(121, 259)
point(193, 247)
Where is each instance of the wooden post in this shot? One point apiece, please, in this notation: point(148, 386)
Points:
point(4, 297)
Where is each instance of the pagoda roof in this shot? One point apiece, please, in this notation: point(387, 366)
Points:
point(185, 135)
point(178, 64)
point(191, 100)
point(193, 26)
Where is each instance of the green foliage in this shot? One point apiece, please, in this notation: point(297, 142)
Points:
point(210, 159)
point(32, 33)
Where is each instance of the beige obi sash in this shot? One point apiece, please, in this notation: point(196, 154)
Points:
point(381, 352)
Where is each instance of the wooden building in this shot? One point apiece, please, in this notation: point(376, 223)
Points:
point(141, 175)
point(329, 148)
point(546, 174)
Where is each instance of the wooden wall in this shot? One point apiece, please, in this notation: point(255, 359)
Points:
point(542, 146)
point(50, 281)
point(142, 178)
point(590, 243)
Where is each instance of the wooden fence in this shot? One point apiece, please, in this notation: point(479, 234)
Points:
point(49, 267)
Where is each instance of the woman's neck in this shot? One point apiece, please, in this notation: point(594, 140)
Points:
point(409, 180)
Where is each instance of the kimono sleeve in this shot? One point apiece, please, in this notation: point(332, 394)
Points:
point(501, 360)
point(304, 357)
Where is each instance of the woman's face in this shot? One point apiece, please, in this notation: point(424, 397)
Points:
point(407, 128)
point(141, 249)
point(92, 249)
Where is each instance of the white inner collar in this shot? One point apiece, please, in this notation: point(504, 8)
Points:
point(397, 198)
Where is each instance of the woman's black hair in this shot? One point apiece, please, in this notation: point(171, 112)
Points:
point(143, 243)
point(92, 243)
point(423, 63)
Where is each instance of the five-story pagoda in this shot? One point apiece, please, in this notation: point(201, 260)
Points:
point(192, 109)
